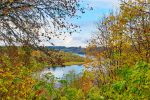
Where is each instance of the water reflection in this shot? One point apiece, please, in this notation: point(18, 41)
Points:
point(59, 72)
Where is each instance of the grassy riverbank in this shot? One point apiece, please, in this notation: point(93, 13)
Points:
point(58, 58)
point(68, 59)
point(66, 64)
point(73, 63)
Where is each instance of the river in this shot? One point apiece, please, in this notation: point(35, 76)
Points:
point(59, 72)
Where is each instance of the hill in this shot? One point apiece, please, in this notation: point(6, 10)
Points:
point(78, 50)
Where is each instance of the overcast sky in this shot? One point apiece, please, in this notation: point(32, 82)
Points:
point(87, 22)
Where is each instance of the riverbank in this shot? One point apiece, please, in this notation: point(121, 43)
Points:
point(66, 64)
point(60, 71)
point(57, 59)
point(73, 63)
point(66, 59)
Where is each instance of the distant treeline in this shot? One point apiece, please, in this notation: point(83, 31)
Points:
point(52, 57)
point(78, 50)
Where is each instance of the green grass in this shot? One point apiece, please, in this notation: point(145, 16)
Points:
point(66, 64)
point(73, 63)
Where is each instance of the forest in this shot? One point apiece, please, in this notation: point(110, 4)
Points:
point(78, 50)
point(116, 62)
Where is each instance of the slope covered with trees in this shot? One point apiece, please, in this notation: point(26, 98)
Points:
point(77, 50)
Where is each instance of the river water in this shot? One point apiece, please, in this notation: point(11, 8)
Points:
point(59, 72)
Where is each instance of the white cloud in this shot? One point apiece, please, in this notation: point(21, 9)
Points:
point(68, 41)
point(104, 4)
point(87, 23)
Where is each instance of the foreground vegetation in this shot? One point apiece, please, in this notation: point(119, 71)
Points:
point(17, 64)
point(131, 82)
point(121, 51)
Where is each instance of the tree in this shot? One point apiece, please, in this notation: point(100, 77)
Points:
point(30, 22)
point(121, 54)
point(27, 22)
point(122, 39)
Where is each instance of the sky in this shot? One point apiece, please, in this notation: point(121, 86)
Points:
point(87, 22)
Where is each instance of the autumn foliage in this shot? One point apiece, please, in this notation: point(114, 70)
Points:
point(118, 58)
point(122, 40)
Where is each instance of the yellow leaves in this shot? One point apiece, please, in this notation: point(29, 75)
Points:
point(8, 8)
point(11, 1)
point(142, 1)
point(122, 20)
point(36, 53)
point(24, 8)
point(13, 83)
point(112, 17)
point(86, 85)
point(1, 71)
point(3, 89)
point(128, 34)
point(133, 9)
point(5, 11)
